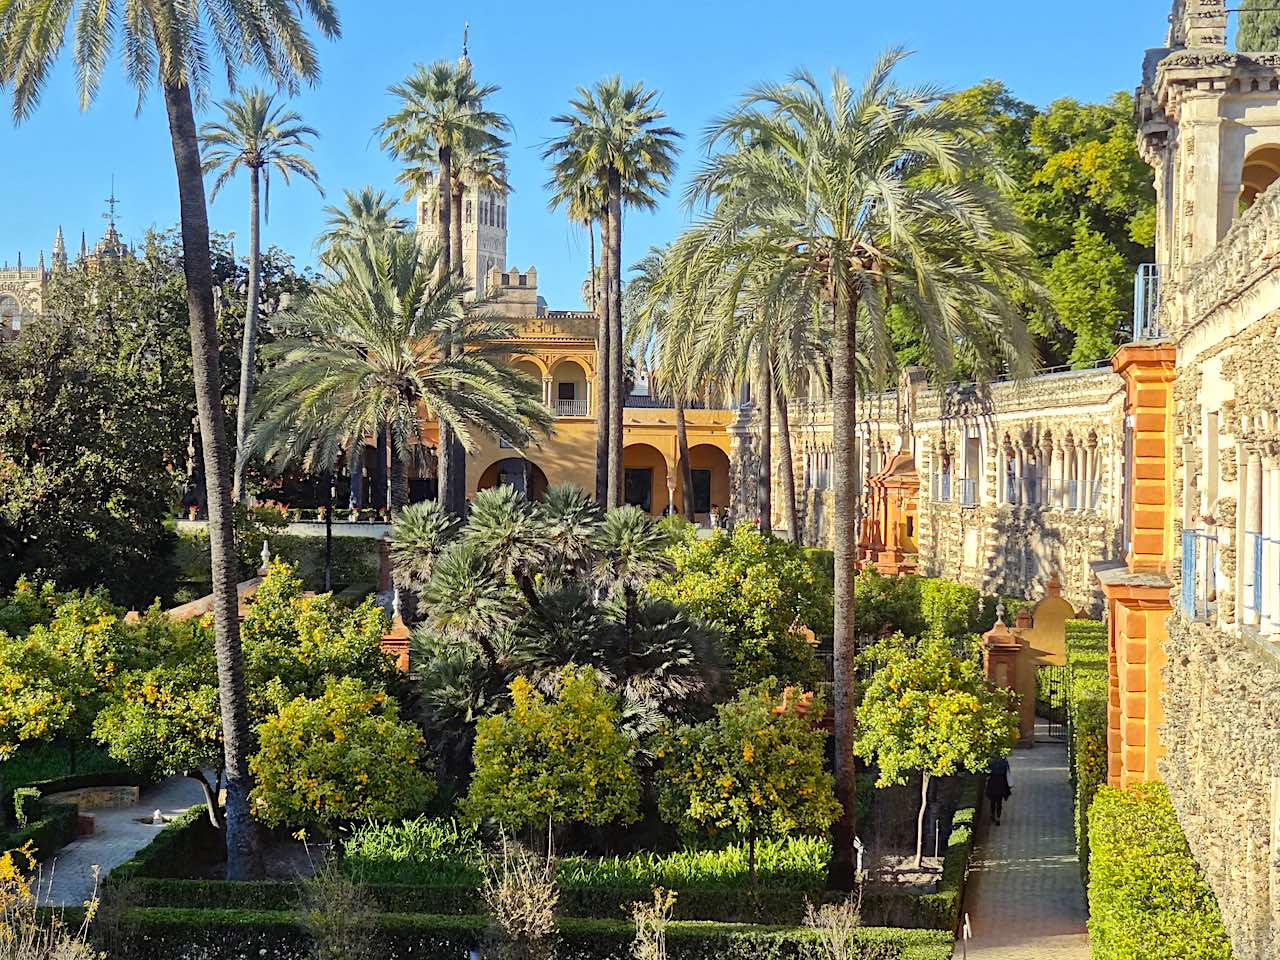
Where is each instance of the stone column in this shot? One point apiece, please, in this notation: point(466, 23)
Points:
point(1271, 531)
point(546, 391)
point(1252, 525)
point(1057, 455)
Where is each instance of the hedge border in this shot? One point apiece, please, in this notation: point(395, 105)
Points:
point(156, 933)
point(58, 825)
point(1087, 700)
point(190, 836)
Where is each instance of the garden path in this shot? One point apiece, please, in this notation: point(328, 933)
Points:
point(1024, 897)
point(67, 880)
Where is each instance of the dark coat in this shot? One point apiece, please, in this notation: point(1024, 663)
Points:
point(998, 779)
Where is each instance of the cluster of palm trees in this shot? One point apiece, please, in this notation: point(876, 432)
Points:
point(820, 211)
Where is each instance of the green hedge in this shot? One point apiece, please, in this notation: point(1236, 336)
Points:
point(1087, 746)
point(167, 934)
point(51, 828)
point(1147, 898)
point(190, 839)
point(355, 559)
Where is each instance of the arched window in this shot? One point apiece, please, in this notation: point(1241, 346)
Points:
point(1261, 169)
point(10, 315)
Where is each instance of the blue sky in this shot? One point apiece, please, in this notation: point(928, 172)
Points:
point(57, 167)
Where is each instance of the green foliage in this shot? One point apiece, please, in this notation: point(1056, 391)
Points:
point(1091, 283)
point(186, 840)
point(757, 769)
point(785, 862)
point(50, 828)
point(26, 800)
point(355, 559)
point(1259, 26)
point(558, 762)
point(884, 605)
point(1147, 898)
point(341, 756)
point(949, 609)
point(423, 850)
point(1087, 705)
point(761, 593)
point(929, 711)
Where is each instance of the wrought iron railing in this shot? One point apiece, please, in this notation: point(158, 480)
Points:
point(571, 408)
point(1199, 600)
point(1146, 304)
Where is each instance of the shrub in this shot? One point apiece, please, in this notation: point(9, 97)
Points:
point(26, 802)
point(341, 756)
point(50, 828)
point(555, 762)
point(355, 559)
point(1087, 708)
point(760, 592)
point(651, 919)
point(422, 850)
point(1147, 898)
point(883, 605)
point(187, 840)
point(790, 863)
point(757, 769)
point(338, 915)
point(522, 895)
point(949, 609)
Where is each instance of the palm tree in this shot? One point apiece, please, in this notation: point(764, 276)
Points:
point(372, 352)
point(506, 528)
point(660, 339)
point(570, 521)
point(366, 214)
point(858, 200)
point(631, 549)
point(258, 135)
point(164, 41)
point(442, 112)
point(612, 142)
point(421, 533)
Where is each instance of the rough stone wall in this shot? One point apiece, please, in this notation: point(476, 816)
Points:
point(1221, 700)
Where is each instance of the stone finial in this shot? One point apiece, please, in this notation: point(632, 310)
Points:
point(1000, 612)
point(397, 614)
point(266, 559)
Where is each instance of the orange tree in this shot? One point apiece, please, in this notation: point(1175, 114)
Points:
point(930, 711)
point(757, 768)
point(341, 756)
point(555, 762)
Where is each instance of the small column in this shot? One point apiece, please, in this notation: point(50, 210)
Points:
point(1271, 552)
point(1253, 529)
point(546, 390)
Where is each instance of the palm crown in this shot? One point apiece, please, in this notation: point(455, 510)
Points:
point(366, 214)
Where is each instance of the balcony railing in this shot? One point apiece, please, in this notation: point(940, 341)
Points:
point(1199, 575)
point(571, 408)
point(644, 401)
point(1146, 304)
point(958, 490)
point(967, 492)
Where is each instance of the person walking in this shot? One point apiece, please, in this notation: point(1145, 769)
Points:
point(999, 786)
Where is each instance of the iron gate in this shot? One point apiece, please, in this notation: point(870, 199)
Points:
point(1052, 687)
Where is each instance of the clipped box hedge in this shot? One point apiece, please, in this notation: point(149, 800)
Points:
point(1087, 709)
point(169, 934)
point(50, 827)
point(355, 559)
point(1147, 897)
point(189, 839)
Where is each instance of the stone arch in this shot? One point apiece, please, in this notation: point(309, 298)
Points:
point(711, 480)
point(10, 316)
point(518, 472)
point(645, 472)
point(570, 387)
point(1261, 169)
point(530, 364)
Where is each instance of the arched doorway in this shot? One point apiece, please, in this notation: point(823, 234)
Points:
point(569, 391)
point(710, 468)
point(644, 478)
point(1261, 169)
point(525, 475)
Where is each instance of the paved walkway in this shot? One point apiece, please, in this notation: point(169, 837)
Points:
point(67, 879)
point(1024, 897)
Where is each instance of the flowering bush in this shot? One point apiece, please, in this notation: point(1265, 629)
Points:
point(562, 761)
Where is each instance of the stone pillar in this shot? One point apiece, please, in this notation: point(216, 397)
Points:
point(1271, 551)
point(1057, 456)
point(1006, 663)
point(546, 391)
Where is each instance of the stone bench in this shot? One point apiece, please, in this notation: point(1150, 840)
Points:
point(96, 798)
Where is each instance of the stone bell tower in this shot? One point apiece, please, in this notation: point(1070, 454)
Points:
point(1209, 125)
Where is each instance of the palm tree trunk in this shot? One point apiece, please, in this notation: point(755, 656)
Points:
point(843, 395)
point(328, 530)
point(244, 855)
point(616, 381)
point(604, 405)
point(591, 239)
point(250, 345)
point(789, 512)
point(455, 229)
point(397, 478)
point(444, 209)
point(764, 474)
point(449, 462)
point(682, 451)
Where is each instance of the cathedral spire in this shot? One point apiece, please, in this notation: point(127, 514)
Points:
point(464, 61)
point(59, 250)
point(84, 247)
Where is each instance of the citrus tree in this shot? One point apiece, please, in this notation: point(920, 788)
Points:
point(341, 756)
point(762, 593)
point(555, 761)
point(757, 769)
point(931, 712)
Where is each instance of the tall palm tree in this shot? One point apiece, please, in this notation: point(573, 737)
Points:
point(257, 135)
point(364, 214)
point(660, 338)
point(859, 201)
point(167, 42)
point(442, 112)
point(387, 342)
point(612, 138)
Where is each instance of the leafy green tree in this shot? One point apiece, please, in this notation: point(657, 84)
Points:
point(930, 712)
point(758, 769)
point(174, 44)
point(1090, 283)
point(762, 593)
point(828, 187)
point(613, 148)
point(370, 351)
point(1259, 26)
point(343, 755)
point(258, 135)
point(555, 762)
